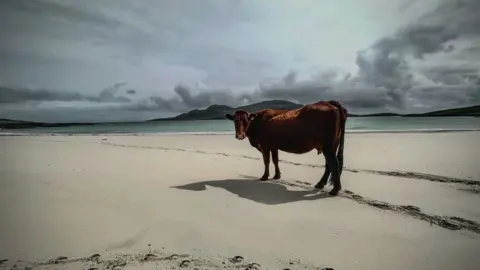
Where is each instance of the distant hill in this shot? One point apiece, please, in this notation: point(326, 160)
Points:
point(464, 111)
point(216, 112)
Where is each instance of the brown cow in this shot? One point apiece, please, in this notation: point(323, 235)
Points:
point(319, 126)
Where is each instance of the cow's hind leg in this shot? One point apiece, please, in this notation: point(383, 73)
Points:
point(266, 162)
point(275, 163)
point(332, 163)
point(330, 147)
point(340, 162)
point(326, 174)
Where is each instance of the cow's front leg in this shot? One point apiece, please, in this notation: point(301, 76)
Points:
point(275, 163)
point(266, 162)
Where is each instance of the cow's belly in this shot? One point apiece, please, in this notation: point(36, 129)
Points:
point(295, 137)
point(297, 146)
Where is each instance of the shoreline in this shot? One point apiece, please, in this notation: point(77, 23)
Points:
point(221, 133)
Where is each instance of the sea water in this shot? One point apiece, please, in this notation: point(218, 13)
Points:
point(354, 124)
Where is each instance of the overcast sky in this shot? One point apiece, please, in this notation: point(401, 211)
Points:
point(113, 60)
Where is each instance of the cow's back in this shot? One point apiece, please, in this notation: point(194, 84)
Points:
point(310, 116)
point(300, 130)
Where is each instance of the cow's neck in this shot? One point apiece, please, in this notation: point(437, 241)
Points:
point(254, 133)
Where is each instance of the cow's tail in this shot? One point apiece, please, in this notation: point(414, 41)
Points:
point(343, 119)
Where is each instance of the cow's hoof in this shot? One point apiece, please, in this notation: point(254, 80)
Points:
point(276, 176)
point(264, 178)
point(334, 192)
point(320, 186)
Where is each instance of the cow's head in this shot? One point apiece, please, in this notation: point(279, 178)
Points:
point(242, 120)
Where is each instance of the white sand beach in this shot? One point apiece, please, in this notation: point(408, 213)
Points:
point(409, 201)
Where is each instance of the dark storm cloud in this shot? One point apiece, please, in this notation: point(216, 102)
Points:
point(205, 98)
point(445, 96)
point(131, 92)
point(185, 99)
point(385, 77)
point(133, 32)
point(108, 94)
point(324, 86)
point(160, 103)
point(475, 50)
point(11, 95)
point(385, 63)
point(292, 89)
point(60, 9)
point(83, 21)
point(454, 75)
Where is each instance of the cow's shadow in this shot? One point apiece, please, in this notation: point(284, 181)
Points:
point(268, 192)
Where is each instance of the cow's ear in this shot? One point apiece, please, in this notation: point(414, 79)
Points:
point(229, 116)
point(252, 116)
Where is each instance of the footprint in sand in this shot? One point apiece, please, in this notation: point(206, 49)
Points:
point(116, 264)
point(236, 259)
point(253, 266)
point(185, 263)
point(149, 256)
point(58, 259)
point(94, 256)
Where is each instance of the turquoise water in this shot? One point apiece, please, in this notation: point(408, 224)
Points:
point(359, 124)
